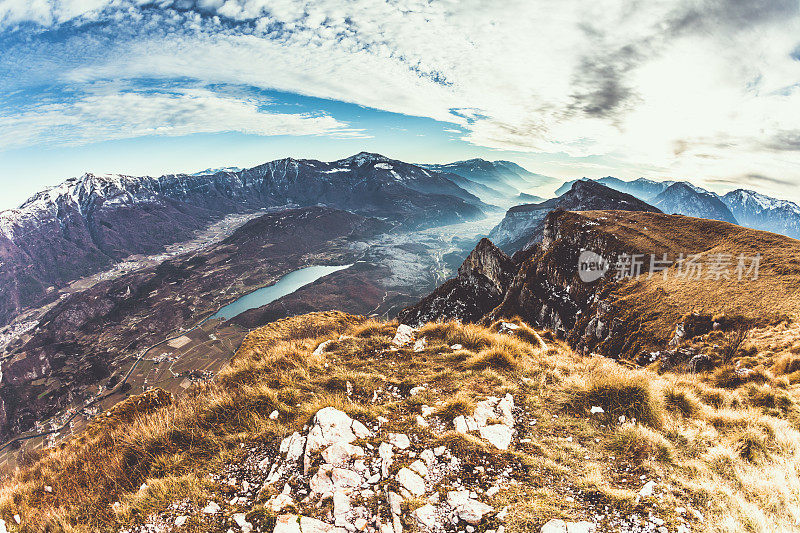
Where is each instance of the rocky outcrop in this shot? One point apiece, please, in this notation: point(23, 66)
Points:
point(342, 475)
point(523, 225)
point(482, 280)
point(551, 289)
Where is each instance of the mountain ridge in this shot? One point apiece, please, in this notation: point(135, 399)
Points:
point(86, 224)
point(522, 225)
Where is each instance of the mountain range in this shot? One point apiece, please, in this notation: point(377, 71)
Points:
point(518, 396)
point(740, 206)
point(88, 223)
point(501, 183)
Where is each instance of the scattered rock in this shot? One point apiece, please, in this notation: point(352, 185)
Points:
point(341, 453)
point(420, 345)
point(647, 490)
point(331, 426)
point(243, 524)
point(386, 454)
point(211, 508)
point(322, 346)
point(498, 435)
point(400, 440)
point(467, 508)
point(426, 515)
point(411, 481)
point(404, 335)
point(302, 524)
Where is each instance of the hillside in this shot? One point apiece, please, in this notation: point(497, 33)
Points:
point(638, 314)
point(328, 423)
point(648, 309)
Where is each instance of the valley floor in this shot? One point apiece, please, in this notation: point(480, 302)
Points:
point(391, 271)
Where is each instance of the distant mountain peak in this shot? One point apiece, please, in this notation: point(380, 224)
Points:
point(363, 158)
point(212, 171)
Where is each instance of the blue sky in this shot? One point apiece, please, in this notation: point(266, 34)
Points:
point(691, 89)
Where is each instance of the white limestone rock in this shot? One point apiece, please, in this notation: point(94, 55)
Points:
point(211, 508)
point(554, 526)
point(426, 515)
point(293, 446)
point(332, 426)
point(341, 453)
point(498, 435)
point(400, 440)
point(411, 481)
point(404, 335)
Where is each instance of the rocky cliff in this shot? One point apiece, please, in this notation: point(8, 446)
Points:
point(623, 311)
point(479, 286)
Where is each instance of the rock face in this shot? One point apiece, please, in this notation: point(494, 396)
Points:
point(523, 225)
point(548, 290)
point(683, 199)
point(479, 286)
point(86, 224)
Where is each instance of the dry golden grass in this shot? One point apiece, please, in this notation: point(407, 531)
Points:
point(656, 305)
point(729, 453)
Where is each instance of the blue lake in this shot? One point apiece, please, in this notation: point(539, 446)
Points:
point(286, 285)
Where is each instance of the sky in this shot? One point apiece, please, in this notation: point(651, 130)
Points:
point(703, 90)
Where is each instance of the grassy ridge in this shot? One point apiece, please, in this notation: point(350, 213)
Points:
point(726, 449)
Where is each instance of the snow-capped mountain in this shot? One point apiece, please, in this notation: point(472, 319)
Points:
point(683, 199)
point(759, 211)
point(209, 171)
point(87, 223)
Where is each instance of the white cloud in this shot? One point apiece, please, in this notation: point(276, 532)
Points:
point(692, 88)
point(106, 113)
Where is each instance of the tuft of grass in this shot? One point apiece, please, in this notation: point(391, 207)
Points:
point(620, 392)
point(786, 364)
point(470, 336)
point(682, 401)
point(637, 444)
point(752, 446)
point(498, 358)
point(729, 377)
point(455, 407)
